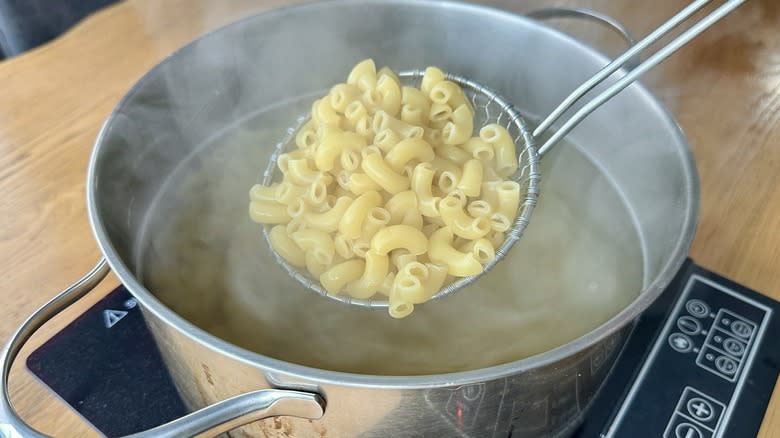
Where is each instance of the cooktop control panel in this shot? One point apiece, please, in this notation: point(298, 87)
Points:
point(711, 370)
point(701, 362)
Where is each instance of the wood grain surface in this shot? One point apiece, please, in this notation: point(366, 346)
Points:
point(724, 89)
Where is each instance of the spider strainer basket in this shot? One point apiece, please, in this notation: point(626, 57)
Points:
point(489, 107)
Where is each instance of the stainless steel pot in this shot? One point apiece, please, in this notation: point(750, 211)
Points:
point(203, 88)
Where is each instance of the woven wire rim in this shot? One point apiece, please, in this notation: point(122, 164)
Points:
point(527, 175)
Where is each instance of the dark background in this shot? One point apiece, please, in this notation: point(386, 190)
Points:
point(26, 24)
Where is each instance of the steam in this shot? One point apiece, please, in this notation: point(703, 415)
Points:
point(205, 124)
point(222, 277)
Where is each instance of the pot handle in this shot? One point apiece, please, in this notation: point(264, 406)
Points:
point(589, 15)
point(210, 421)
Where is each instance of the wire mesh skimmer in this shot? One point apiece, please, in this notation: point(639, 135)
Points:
point(489, 107)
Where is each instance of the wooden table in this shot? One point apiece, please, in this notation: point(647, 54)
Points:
point(724, 89)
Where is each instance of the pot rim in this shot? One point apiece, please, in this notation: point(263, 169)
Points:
point(646, 297)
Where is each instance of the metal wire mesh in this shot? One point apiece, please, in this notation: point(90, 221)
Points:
point(488, 108)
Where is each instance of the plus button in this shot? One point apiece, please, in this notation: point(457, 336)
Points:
point(700, 409)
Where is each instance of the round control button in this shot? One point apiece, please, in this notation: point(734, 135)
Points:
point(700, 409)
point(733, 346)
point(680, 342)
point(741, 329)
point(726, 365)
point(697, 308)
point(689, 325)
point(472, 392)
point(687, 430)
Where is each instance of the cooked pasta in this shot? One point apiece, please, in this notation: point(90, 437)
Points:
point(415, 106)
point(432, 76)
point(399, 236)
point(448, 92)
point(340, 96)
point(400, 204)
point(402, 257)
point(390, 90)
point(300, 173)
point(359, 183)
point(440, 113)
point(323, 113)
point(263, 193)
point(351, 224)
point(460, 223)
point(343, 246)
point(479, 208)
point(504, 147)
point(479, 149)
point(453, 153)
point(376, 219)
point(335, 278)
point(388, 190)
point(422, 184)
point(437, 275)
point(408, 150)
point(409, 287)
point(286, 247)
point(482, 249)
point(363, 75)
point(471, 179)
point(317, 243)
point(267, 212)
point(374, 274)
point(461, 264)
point(331, 147)
point(508, 198)
point(306, 137)
point(287, 192)
point(386, 139)
point(378, 170)
point(383, 120)
point(360, 248)
point(329, 220)
point(459, 129)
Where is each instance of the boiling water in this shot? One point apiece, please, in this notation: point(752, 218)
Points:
point(578, 264)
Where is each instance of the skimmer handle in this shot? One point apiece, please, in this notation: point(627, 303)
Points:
point(655, 59)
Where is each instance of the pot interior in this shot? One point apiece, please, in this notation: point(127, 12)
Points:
point(174, 165)
point(579, 263)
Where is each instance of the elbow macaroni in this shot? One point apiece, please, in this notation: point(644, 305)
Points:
point(403, 209)
point(422, 183)
point(376, 269)
point(399, 237)
point(378, 170)
point(461, 224)
point(461, 264)
point(453, 153)
point(408, 150)
point(351, 224)
point(503, 146)
point(388, 192)
point(333, 145)
point(459, 129)
point(471, 180)
point(390, 90)
point(335, 278)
